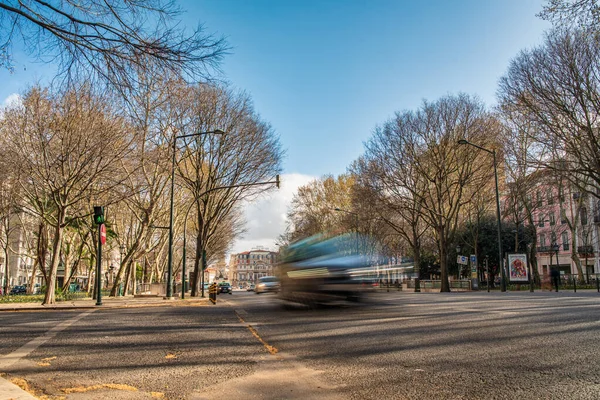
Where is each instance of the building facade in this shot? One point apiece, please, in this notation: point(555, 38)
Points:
point(247, 267)
point(567, 223)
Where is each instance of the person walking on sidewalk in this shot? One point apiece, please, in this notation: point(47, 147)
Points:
point(555, 275)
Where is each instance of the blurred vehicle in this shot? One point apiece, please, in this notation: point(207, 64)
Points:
point(321, 270)
point(18, 290)
point(267, 284)
point(37, 288)
point(250, 288)
point(224, 287)
point(206, 286)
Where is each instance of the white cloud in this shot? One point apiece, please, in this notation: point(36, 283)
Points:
point(266, 217)
point(11, 100)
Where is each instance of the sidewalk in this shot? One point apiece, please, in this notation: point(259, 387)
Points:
point(107, 302)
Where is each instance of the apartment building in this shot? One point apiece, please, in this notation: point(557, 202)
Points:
point(567, 222)
point(18, 241)
point(247, 267)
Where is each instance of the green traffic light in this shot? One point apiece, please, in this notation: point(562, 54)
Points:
point(99, 215)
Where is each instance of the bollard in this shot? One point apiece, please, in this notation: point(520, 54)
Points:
point(212, 293)
point(574, 284)
point(597, 284)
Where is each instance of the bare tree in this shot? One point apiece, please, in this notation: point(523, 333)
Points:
point(112, 39)
point(582, 13)
point(61, 143)
point(556, 89)
point(223, 170)
point(383, 179)
point(430, 172)
point(312, 209)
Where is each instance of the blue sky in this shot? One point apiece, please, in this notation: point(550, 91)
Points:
point(324, 73)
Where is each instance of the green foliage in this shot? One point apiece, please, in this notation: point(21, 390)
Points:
point(39, 298)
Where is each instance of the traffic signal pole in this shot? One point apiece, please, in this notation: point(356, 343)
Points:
point(99, 269)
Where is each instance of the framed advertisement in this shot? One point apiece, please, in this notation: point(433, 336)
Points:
point(517, 268)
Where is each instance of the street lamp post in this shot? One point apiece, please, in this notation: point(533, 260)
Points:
point(500, 263)
point(169, 294)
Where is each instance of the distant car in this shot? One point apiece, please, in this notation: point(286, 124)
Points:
point(250, 287)
point(267, 284)
point(224, 287)
point(18, 290)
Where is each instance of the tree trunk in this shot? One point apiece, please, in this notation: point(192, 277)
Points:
point(576, 259)
point(6, 270)
point(443, 248)
point(197, 266)
point(49, 298)
point(417, 263)
point(32, 278)
point(133, 277)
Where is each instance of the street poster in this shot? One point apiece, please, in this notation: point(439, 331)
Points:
point(517, 268)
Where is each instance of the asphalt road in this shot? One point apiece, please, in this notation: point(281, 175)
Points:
point(396, 346)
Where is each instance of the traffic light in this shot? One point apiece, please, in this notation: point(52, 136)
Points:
point(277, 182)
point(98, 215)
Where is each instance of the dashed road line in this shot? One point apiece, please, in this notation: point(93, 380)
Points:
point(270, 349)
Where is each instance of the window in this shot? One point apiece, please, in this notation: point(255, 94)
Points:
point(549, 197)
point(541, 220)
point(552, 218)
point(565, 240)
point(563, 216)
point(538, 196)
point(543, 240)
point(584, 218)
point(553, 238)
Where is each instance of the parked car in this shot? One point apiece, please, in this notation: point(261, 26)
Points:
point(18, 290)
point(250, 288)
point(267, 284)
point(224, 287)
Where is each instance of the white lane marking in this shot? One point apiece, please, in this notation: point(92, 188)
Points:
point(8, 360)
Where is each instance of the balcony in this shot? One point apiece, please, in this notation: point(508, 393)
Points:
point(585, 249)
point(548, 249)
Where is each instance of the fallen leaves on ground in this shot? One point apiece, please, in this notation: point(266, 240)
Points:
point(83, 389)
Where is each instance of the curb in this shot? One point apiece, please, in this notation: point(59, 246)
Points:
point(104, 306)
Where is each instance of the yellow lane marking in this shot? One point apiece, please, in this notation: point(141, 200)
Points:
point(170, 356)
point(269, 348)
point(83, 389)
point(45, 362)
point(157, 395)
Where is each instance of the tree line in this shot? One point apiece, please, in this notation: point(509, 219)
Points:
point(420, 192)
point(130, 82)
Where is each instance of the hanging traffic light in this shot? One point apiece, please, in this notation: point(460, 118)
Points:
point(98, 215)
